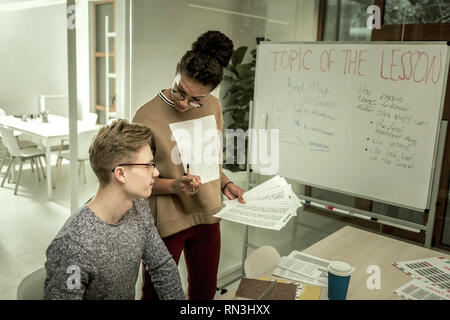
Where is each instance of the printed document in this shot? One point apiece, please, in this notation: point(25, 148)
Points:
point(419, 290)
point(303, 267)
point(270, 205)
point(434, 270)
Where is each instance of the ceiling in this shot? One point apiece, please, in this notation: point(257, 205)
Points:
point(14, 5)
point(13, 1)
point(17, 1)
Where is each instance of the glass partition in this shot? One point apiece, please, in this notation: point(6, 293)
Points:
point(33, 96)
point(345, 20)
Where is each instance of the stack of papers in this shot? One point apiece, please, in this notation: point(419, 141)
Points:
point(303, 267)
point(431, 279)
point(420, 290)
point(269, 205)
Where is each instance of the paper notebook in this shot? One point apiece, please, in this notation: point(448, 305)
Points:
point(251, 289)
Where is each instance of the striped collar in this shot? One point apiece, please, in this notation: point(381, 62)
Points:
point(164, 98)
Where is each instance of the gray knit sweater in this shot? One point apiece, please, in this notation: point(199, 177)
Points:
point(90, 259)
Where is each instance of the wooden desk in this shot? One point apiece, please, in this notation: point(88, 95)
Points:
point(361, 249)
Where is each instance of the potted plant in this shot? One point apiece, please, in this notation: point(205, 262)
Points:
point(239, 80)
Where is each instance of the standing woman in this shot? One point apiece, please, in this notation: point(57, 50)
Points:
point(182, 206)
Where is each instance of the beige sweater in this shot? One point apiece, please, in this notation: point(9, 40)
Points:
point(173, 213)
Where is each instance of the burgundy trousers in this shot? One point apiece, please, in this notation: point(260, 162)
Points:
point(201, 245)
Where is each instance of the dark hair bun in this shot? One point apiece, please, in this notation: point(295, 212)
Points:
point(216, 45)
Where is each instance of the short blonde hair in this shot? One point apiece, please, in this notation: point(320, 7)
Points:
point(113, 144)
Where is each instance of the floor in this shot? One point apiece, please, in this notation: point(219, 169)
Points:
point(28, 223)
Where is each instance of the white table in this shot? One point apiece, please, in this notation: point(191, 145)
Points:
point(48, 134)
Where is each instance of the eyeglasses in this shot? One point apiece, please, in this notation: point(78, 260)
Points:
point(146, 165)
point(179, 96)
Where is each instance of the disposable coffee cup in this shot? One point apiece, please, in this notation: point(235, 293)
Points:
point(339, 274)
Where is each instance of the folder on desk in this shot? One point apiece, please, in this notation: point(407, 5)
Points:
point(253, 289)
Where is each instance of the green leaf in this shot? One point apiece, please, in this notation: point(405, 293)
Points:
point(238, 55)
point(232, 69)
point(240, 78)
point(244, 71)
point(228, 78)
point(230, 110)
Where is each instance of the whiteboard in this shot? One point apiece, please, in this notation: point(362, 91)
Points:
point(357, 118)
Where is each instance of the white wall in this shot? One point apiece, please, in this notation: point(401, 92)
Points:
point(164, 29)
point(292, 20)
point(33, 51)
point(33, 57)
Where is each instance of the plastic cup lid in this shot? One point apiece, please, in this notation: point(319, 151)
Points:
point(340, 268)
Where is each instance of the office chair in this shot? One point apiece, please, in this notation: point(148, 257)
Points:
point(16, 153)
point(84, 141)
point(32, 286)
point(23, 144)
point(260, 261)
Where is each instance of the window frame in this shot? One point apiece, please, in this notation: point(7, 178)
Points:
point(99, 54)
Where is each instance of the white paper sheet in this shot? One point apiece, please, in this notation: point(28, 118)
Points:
point(309, 258)
point(420, 290)
point(287, 274)
point(275, 188)
point(270, 206)
point(267, 186)
point(303, 267)
point(281, 192)
point(274, 193)
point(199, 145)
point(434, 270)
point(267, 217)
